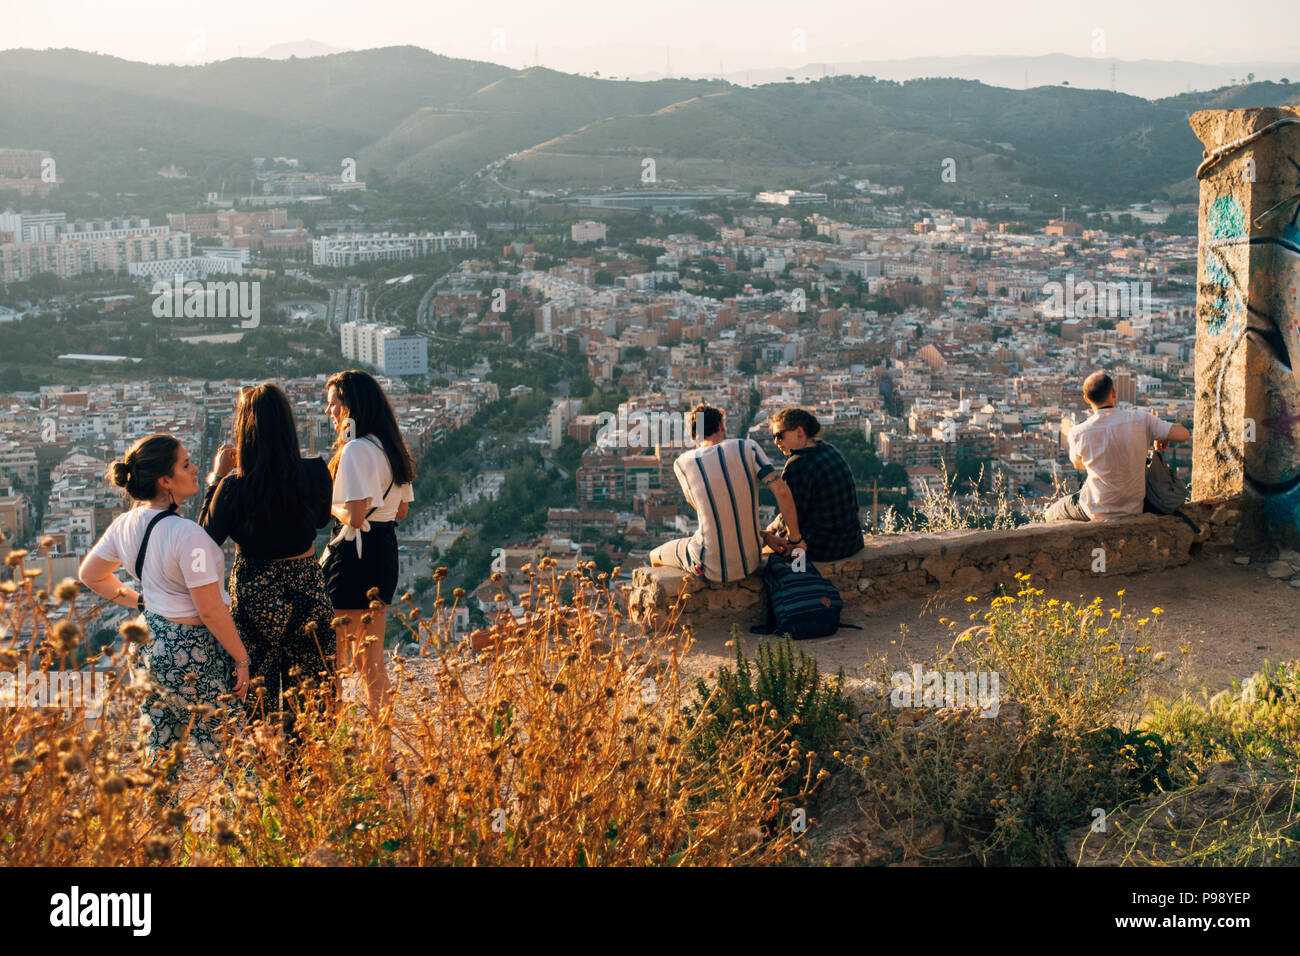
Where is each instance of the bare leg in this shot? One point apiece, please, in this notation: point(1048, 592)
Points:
point(362, 647)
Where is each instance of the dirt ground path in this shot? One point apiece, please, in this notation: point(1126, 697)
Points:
point(1232, 617)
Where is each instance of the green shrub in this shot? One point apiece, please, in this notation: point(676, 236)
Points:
point(781, 685)
point(1064, 742)
point(1257, 720)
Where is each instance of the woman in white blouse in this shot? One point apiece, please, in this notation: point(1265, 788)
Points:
point(196, 655)
point(372, 470)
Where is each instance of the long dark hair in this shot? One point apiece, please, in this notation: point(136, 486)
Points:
point(371, 414)
point(270, 459)
point(148, 460)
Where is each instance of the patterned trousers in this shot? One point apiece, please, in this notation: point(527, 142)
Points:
point(188, 667)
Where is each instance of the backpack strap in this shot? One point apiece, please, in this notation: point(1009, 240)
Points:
point(1190, 523)
point(144, 545)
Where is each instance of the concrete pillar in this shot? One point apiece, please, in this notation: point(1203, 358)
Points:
point(1247, 435)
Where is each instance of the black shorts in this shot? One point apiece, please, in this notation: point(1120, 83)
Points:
point(349, 578)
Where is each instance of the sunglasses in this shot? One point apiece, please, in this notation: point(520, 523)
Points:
point(777, 436)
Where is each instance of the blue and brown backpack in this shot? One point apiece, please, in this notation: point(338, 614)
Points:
point(799, 601)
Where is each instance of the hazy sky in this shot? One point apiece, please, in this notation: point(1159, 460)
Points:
point(618, 37)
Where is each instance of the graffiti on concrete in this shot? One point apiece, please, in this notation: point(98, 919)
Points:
point(1252, 294)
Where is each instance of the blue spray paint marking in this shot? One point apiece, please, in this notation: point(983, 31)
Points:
point(1226, 222)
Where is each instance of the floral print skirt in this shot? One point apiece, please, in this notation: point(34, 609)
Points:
point(189, 670)
point(284, 618)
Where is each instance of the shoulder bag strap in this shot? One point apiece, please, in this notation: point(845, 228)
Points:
point(380, 445)
point(144, 544)
point(337, 538)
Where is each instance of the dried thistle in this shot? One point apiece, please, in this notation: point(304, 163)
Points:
point(134, 631)
point(66, 636)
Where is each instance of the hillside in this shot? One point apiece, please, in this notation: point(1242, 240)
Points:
point(413, 116)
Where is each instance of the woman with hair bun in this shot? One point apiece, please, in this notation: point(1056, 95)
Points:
point(196, 655)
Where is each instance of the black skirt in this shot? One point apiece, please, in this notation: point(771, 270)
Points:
point(348, 578)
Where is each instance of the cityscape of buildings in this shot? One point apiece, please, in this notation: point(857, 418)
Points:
point(945, 342)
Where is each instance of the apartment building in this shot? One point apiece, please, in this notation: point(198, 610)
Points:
point(15, 516)
point(349, 250)
point(385, 347)
point(616, 479)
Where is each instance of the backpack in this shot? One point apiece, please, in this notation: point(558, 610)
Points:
point(800, 603)
point(1165, 493)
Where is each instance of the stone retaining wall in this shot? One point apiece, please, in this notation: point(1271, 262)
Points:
point(896, 568)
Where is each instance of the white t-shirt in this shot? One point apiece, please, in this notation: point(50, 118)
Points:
point(1112, 443)
point(180, 556)
point(363, 474)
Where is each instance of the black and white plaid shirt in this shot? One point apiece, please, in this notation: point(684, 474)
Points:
point(825, 501)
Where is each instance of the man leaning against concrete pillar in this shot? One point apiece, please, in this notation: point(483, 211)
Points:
point(1111, 446)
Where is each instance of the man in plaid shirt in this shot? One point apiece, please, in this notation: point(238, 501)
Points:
point(825, 494)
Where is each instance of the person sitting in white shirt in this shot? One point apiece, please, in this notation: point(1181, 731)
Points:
point(1111, 446)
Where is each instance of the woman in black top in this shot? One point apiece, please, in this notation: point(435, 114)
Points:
point(270, 500)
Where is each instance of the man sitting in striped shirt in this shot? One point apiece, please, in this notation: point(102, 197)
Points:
point(720, 479)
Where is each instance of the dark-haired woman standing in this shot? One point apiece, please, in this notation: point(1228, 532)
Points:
point(270, 500)
point(196, 654)
point(373, 471)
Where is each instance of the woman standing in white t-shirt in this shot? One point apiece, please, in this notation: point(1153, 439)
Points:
point(373, 471)
point(196, 654)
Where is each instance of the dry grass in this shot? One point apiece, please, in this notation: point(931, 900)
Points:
point(566, 744)
point(951, 508)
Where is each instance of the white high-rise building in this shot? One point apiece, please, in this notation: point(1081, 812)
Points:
point(348, 250)
point(33, 226)
point(385, 347)
point(348, 339)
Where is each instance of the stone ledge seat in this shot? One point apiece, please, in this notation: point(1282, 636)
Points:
point(895, 568)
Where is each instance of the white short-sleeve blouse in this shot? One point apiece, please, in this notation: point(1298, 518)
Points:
point(363, 474)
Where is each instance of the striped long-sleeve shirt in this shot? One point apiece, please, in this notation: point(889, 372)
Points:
point(721, 483)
